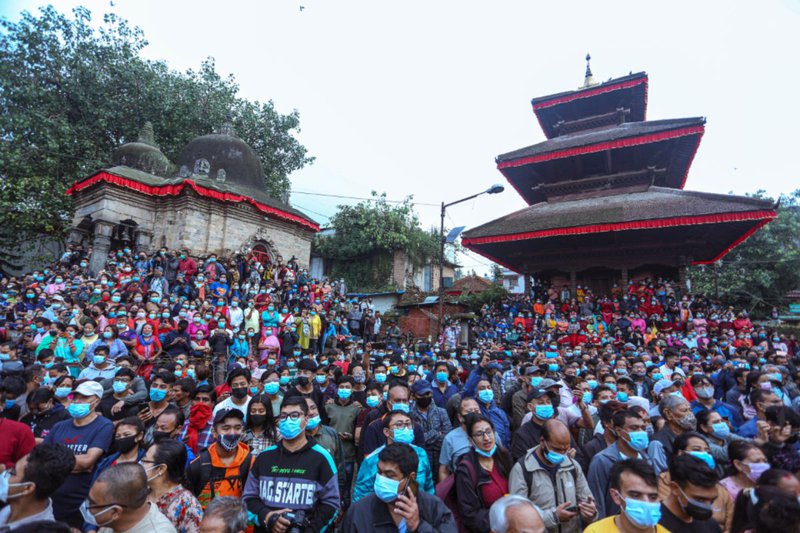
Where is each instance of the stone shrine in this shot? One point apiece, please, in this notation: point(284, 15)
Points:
point(214, 200)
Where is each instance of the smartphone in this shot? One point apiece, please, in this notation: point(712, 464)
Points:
point(573, 509)
point(405, 490)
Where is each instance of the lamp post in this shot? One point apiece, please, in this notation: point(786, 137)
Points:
point(494, 189)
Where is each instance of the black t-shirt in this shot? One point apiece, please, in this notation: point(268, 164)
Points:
point(673, 523)
point(128, 410)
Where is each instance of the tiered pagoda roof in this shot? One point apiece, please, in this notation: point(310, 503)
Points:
point(605, 189)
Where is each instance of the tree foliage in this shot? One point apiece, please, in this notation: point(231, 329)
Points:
point(758, 273)
point(491, 296)
point(367, 233)
point(70, 94)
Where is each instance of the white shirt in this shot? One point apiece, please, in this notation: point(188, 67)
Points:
point(227, 403)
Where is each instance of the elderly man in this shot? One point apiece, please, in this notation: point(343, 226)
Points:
point(677, 414)
point(118, 502)
point(515, 514)
point(224, 514)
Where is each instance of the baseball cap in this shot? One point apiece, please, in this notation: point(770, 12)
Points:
point(421, 386)
point(663, 384)
point(547, 383)
point(538, 393)
point(90, 388)
point(222, 414)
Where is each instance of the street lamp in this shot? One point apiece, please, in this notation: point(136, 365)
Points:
point(494, 189)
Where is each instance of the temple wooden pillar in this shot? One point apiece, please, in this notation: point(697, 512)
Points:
point(624, 279)
point(527, 283)
point(573, 282)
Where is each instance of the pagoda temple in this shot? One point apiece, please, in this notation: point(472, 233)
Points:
point(605, 195)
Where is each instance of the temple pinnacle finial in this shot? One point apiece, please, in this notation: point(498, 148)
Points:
point(146, 134)
point(588, 79)
point(227, 126)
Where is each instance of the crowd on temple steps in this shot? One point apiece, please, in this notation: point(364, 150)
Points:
point(170, 393)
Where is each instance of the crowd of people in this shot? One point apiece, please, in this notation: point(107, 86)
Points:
point(222, 395)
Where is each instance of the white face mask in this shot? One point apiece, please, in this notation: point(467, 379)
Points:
point(90, 518)
point(5, 485)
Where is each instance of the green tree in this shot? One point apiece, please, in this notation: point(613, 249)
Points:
point(365, 236)
point(70, 94)
point(758, 273)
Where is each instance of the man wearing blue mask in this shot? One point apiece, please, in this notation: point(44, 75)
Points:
point(634, 488)
point(540, 405)
point(632, 442)
point(295, 477)
point(553, 481)
point(397, 494)
point(88, 435)
point(397, 427)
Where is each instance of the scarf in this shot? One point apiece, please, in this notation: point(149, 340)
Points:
point(199, 415)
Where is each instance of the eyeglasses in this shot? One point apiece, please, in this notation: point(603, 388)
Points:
point(403, 425)
point(483, 434)
point(293, 416)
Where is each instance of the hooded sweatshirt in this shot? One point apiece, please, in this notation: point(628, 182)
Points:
point(208, 477)
point(304, 480)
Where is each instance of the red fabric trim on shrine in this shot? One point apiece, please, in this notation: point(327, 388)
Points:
point(591, 92)
point(176, 188)
point(599, 147)
point(620, 226)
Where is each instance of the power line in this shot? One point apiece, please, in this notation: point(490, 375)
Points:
point(361, 198)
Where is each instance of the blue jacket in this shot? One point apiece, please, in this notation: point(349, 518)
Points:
point(725, 411)
point(369, 470)
point(498, 417)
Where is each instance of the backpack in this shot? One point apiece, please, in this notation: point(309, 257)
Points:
point(446, 491)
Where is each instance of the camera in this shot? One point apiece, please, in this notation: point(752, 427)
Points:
point(297, 521)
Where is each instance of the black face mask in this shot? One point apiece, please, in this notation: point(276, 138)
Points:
point(126, 444)
point(161, 435)
point(424, 401)
point(258, 420)
point(302, 381)
point(697, 510)
point(239, 392)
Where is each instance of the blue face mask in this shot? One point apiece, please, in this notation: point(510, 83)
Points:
point(592, 383)
point(404, 435)
point(290, 428)
point(612, 386)
point(344, 394)
point(290, 364)
point(544, 412)
point(657, 376)
point(555, 458)
point(253, 391)
point(285, 380)
point(79, 410)
point(373, 401)
point(10, 403)
point(638, 440)
point(63, 392)
point(486, 454)
point(399, 407)
point(380, 378)
point(622, 397)
point(313, 422)
point(271, 387)
point(721, 430)
point(706, 457)
point(412, 368)
point(642, 514)
point(486, 395)
point(587, 397)
point(386, 488)
point(441, 377)
point(320, 379)
point(99, 359)
point(552, 368)
point(535, 381)
point(157, 395)
point(119, 386)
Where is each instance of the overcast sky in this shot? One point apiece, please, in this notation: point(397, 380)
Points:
point(418, 97)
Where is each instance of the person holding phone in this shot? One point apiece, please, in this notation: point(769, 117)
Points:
point(552, 479)
point(396, 503)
